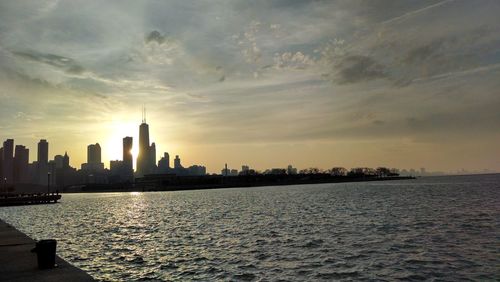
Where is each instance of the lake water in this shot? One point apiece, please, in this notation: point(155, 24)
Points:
point(447, 228)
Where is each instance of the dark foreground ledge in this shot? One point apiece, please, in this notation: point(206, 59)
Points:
point(17, 263)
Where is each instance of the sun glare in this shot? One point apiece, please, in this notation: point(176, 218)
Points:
point(116, 131)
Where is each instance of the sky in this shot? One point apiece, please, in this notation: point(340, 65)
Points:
point(395, 83)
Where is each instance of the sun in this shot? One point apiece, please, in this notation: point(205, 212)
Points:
point(116, 131)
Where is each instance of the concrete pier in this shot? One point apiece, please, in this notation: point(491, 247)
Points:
point(18, 263)
point(28, 199)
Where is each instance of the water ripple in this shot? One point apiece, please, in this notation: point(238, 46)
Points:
point(431, 228)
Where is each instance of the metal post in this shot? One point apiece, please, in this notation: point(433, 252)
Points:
point(48, 183)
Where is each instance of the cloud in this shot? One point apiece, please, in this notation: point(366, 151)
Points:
point(155, 36)
point(422, 53)
point(446, 54)
point(69, 65)
point(289, 60)
point(301, 70)
point(358, 68)
point(248, 42)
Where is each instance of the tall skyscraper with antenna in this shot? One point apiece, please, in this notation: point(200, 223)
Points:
point(145, 159)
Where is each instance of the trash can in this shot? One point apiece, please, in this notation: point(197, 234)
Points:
point(46, 253)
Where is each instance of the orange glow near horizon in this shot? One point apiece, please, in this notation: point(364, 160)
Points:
point(113, 146)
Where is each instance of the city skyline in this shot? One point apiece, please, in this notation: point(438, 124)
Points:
point(320, 83)
point(12, 159)
point(249, 140)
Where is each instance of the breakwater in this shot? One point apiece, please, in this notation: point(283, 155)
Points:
point(18, 263)
point(172, 182)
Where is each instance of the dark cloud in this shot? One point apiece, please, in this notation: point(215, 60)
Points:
point(75, 85)
point(434, 59)
point(27, 80)
point(449, 46)
point(155, 36)
point(451, 52)
point(358, 68)
point(422, 53)
point(67, 64)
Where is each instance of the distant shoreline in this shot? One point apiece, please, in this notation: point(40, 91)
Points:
point(156, 183)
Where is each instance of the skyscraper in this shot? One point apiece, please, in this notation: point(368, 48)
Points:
point(127, 173)
point(177, 162)
point(164, 164)
point(127, 152)
point(94, 154)
point(167, 159)
point(63, 175)
point(1, 165)
point(21, 163)
point(146, 160)
point(65, 160)
point(43, 151)
point(8, 161)
point(94, 163)
point(143, 157)
point(58, 159)
point(152, 158)
point(42, 161)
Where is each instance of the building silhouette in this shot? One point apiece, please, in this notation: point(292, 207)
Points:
point(115, 165)
point(127, 153)
point(58, 159)
point(228, 172)
point(127, 169)
point(64, 173)
point(94, 164)
point(246, 170)
point(66, 160)
point(42, 162)
point(164, 164)
point(177, 162)
point(146, 160)
point(94, 153)
point(122, 171)
point(52, 168)
point(8, 161)
point(196, 170)
point(152, 158)
point(178, 169)
point(21, 164)
point(1, 166)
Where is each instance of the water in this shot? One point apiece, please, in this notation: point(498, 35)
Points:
point(446, 228)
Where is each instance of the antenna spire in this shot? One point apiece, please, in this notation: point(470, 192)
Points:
point(143, 114)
